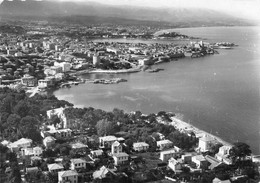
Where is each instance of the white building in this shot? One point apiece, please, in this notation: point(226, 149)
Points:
point(116, 148)
point(21, 143)
point(55, 168)
point(166, 155)
point(174, 164)
point(140, 146)
point(200, 161)
point(120, 158)
point(96, 153)
point(205, 143)
point(48, 141)
point(223, 154)
point(96, 60)
point(60, 133)
point(68, 176)
point(77, 164)
point(64, 65)
point(35, 151)
point(163, 144)
point(107, 141)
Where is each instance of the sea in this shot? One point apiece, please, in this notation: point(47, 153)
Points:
point(217, 93)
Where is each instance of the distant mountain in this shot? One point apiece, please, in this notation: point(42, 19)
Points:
point(48, 8)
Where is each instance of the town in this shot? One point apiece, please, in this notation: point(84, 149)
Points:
point(37, 57)
point(44, 139)
point(67, 144)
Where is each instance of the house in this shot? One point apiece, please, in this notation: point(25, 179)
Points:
point(186, 158)
point(104, 172)
point(68, 176)
point(116, 148)
point(107, 141)
point(120, 158)
point(35, 159)
point(32, 169)
point(217, 180)
point(223, 154)
point(174, 164)
point(28, 80)
point(77, 164)
point(166, 155)
point(163, 144)
point(55, 168)
point(96, 153)
point(57, 133)
point(21, 143)
point(213, 162)
point(140, 146)
point(35, 151)
point(65, 66)
point(48, 141)
point(44, 83)
point(79, 146)
point(205, 143)
point(200, 161)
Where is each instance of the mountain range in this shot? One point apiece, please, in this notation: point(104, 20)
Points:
point(48, 8)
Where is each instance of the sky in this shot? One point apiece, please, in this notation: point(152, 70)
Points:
point(249, 9)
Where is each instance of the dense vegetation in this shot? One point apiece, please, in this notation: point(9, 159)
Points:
point(21, 116)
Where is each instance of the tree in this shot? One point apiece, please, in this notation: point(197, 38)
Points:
point(105, 127)
point(13, 121)
point(21, 108)
point(239, 151)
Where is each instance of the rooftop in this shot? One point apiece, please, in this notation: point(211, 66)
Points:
point(67, 173)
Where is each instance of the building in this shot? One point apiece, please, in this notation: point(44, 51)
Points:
point(44, 83)
point(21, 143)
point(217, 180)
point(140, 146)
point(120, 158)
point(164, 144)
point(174, 164)
point(223, 154)
point(96, 153)
point(205, 143)
point(213, 162)
point(96, 60)
point(48, 141)
point(166, 155)
point(35, 151)
point(116, 148)
point(79, 146)
point(77, 164)
point(65, 67)
point(107, 141)
point(62, 133)
point(104, 172)
point(186, 158)
point(200, 161)
point(68, 176)
point(55, 168)
point(29, 81)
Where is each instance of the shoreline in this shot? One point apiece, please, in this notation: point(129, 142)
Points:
point(184, 126)
point(132, 70)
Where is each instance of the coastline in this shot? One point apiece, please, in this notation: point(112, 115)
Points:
point(184, 126)
point(132, 70)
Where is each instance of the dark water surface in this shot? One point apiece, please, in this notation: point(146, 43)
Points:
point(219, 93)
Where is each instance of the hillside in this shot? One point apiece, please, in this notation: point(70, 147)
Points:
point(47, 8)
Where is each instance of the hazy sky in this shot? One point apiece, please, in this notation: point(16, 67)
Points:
point(242, 8)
